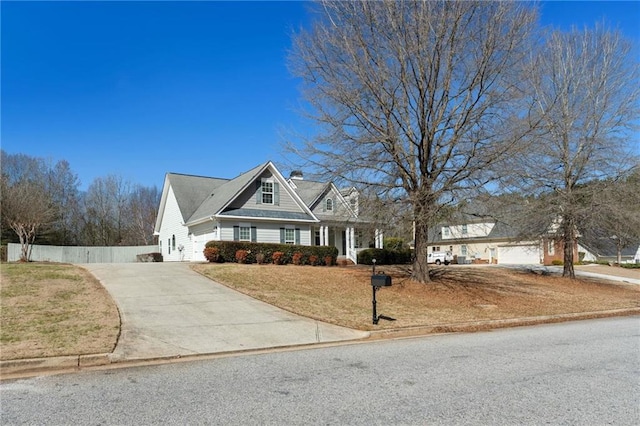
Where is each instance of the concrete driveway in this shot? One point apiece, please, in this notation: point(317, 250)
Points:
point(169, 310)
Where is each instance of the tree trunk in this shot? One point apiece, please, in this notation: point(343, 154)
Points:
point(24, 241)
point(420, 270)
point(619, 251)
point(569, 235)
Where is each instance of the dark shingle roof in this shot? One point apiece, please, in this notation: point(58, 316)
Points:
point(190, 190)
point(221, 195)
point(309, 191)
point(266, 214)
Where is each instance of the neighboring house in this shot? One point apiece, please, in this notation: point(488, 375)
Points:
point(604, 249)
point(260, 206)
point(486, 240)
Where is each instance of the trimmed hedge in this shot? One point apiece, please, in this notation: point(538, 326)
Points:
point(227, 250)
point(394, 244)
point(385, 257)
point(630, 265)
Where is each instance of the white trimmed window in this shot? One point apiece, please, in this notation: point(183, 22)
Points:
point(463, 250)
point(289, 236)
point(551, 247)
point(244, 233)
point(329, 204)
point(465, 231)
point(267, 192)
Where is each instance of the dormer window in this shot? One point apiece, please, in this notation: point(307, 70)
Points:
point(329, 204)
point(465, 231)
point(445, 231)
point(267, 192)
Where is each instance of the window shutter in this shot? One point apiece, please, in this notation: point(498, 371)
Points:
point(298, 236)
point(258, 192)
point(236, 233)
point(254, 234)
point(281, 235)
point(276, 194)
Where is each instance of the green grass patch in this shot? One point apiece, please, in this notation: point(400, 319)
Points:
point(54, 309)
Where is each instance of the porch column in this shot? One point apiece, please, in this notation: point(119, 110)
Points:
point(352, 239)
point(347, 240)
point(379, 236)
point(326, 236)
point(321, 235)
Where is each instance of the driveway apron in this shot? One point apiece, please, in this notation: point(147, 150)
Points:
point(168, 310)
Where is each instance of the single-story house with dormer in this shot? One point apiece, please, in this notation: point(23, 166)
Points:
point(486, 240)
point(259, 205)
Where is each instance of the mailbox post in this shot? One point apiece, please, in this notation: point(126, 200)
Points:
point(378, 281)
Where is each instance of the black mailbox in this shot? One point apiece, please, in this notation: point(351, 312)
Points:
point(381, 280)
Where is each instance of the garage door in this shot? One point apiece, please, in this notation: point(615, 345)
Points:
point(519, 255)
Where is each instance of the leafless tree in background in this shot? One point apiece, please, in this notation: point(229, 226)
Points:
point(105, 216)
point(415, 98)
point(142, 209)
point(586, 91)
point(62, 185)
point(111, 212)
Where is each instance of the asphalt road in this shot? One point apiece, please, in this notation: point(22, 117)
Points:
point(578, 373)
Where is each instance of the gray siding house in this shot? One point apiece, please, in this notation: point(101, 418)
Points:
point(259, 205)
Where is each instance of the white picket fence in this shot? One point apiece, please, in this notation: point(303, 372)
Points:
point(80, 254)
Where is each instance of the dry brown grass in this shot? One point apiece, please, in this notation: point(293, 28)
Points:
point(457, 294)
point(53, 309)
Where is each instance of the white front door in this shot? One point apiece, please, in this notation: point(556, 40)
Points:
point(198, 249)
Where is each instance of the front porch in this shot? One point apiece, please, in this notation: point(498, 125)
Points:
point(349, 240)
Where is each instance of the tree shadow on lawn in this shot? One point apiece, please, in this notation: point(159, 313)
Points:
point(472, 282)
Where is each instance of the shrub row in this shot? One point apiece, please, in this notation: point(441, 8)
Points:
point(385, 257)
point(630, 265)
point(281, 254)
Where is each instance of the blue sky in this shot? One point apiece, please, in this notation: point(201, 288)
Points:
point(139, 89)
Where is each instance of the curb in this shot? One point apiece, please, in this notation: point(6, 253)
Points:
point(23, 368)
point(474, 326)
point(31, 366)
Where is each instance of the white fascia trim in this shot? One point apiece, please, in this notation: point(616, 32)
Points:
point(253, 178)
point(266, 219)
point(292, 193)
point(199, 221)
point(163, 202)
point(343, 200)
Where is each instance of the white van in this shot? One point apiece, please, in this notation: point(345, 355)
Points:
point(440, 257)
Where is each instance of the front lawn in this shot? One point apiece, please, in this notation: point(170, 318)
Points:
point(342, 295)
point(54, 309)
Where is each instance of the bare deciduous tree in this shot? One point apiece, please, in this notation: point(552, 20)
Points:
point(415, 98)
point(105, 211)
point(62, 186)
point(586, 92)
point(26, 209)
point(142, 209)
